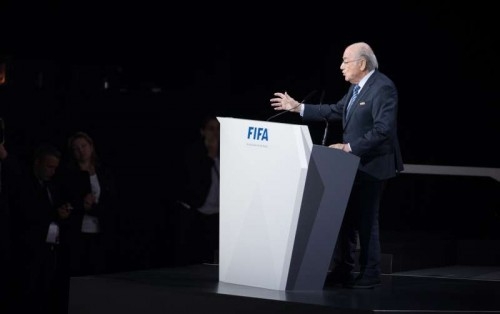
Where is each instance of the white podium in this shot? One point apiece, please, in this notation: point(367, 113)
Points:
point(282, 201)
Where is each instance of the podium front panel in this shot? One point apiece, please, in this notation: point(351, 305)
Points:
point(273, 180)
point(262, 177)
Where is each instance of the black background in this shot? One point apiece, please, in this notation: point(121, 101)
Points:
point(167, 64)
point(229, 59)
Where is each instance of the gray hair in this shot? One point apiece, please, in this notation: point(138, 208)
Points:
point(366, 52)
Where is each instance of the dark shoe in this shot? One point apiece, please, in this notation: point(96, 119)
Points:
point(364, 282)
point(339, 278)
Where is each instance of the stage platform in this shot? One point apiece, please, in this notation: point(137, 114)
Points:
point(196, 289)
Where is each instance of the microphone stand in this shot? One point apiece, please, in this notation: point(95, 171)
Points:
point(323, 142)
point(325, 133)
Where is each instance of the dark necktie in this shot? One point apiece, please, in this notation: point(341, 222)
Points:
point(353, 98)
point(46, 189)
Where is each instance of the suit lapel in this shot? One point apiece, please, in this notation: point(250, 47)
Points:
point(360, 98)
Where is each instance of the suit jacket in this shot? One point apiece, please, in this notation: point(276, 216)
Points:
point(76, 184)
point(197, 178)
point(32, 213)
point(370, 128)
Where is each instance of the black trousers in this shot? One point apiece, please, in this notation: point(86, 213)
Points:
point(44, 280)
point(361, 219)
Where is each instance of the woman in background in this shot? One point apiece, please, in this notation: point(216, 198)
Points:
point(91, 187)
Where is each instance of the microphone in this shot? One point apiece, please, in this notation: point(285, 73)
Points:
point(285, 111)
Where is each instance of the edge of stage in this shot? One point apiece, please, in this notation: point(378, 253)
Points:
point(196, 289)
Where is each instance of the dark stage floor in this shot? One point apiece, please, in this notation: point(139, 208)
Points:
point(196, 289)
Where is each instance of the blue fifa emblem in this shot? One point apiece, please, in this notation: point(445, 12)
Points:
point(259, 134)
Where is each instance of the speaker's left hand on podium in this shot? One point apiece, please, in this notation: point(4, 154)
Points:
point(345, 147)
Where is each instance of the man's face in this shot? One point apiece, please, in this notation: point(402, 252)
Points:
point(211, 131)
point(351, 66)
point(45, 167)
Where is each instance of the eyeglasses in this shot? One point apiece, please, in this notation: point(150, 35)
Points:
point(347, 62)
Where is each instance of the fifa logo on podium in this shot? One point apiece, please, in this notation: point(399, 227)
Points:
point(259, 134)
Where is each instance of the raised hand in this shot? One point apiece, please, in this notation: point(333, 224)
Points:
point(283, 101)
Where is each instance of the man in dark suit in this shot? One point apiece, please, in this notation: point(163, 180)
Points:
point(369, 118)
point(200, 190)
point(5, 244)
point(40, 226)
